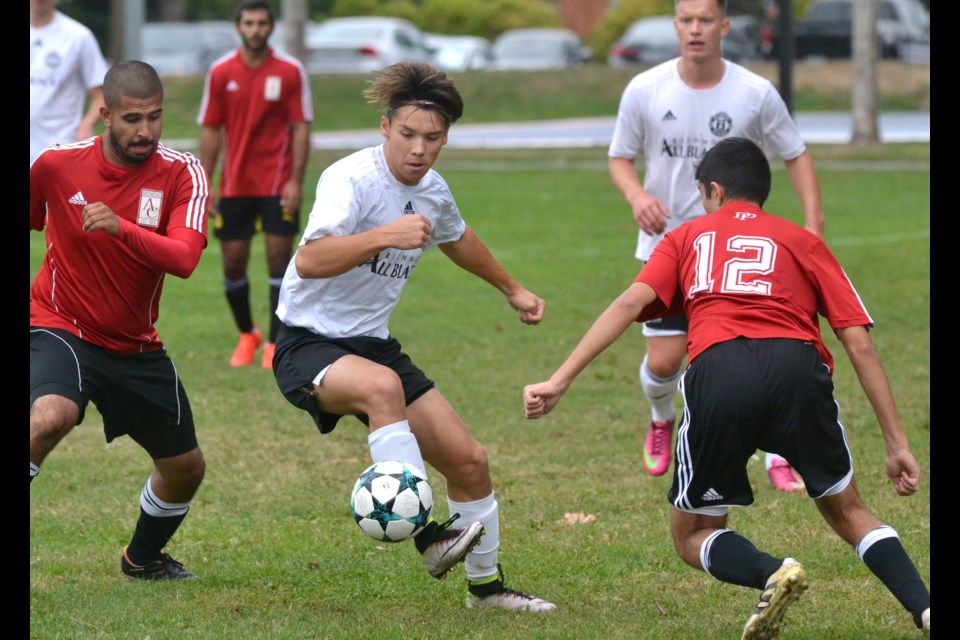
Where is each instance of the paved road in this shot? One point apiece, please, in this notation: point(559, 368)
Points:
point(816, 128)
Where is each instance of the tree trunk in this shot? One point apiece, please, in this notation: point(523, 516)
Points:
point(865, 59)
point(294, 15)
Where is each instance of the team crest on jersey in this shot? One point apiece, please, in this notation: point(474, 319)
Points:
point(271, 88)
point(744, 215)
point(721, 124)
point(148, 213)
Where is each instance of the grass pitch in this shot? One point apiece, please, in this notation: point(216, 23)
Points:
point(270, 532)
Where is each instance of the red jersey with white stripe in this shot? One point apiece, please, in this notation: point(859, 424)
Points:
point(740, 272)
point(255, 107)
point(105, 289)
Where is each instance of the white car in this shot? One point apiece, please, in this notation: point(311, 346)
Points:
point(459, 53)
point(538, 48)
point(362, 44)
point(186, 48)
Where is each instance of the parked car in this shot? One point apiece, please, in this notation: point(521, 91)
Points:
point(459, 53)
point(741, 42)
point(903, 30)
point(363, 44)
point(278, 39)
point(186, 48)
point(648, 41)
point(538, 48)
point(653, 40)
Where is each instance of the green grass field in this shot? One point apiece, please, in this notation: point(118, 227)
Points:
point(270, 532)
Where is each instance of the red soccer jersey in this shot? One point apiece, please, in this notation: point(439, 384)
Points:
point(106, 289)
point(740, 272)
point(255, 107)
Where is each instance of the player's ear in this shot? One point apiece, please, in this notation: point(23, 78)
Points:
point(385, 126)
point(719, 194)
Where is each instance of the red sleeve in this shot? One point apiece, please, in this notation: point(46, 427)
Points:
point(660, 272)
point(177, 253)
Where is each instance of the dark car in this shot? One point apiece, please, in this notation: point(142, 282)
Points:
point(653, 40)
point(826, 31)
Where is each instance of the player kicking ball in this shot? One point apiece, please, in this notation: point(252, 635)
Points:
point(376, 212)
point(759, 377)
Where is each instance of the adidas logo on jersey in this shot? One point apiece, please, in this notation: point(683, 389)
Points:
point(233, 86)
point(77, 198)
point(408, 209)
point(669, 116)
point(712, 495)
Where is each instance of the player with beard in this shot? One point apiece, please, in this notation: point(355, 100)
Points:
point(256, 106)
point(120, 211)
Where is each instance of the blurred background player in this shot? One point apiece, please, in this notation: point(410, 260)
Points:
point(375, 213)
point(66, 67)
point(759, 377)
point(95, 301)
point(670, 115)
point(257, 106)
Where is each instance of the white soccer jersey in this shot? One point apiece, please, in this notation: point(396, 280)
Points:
point(65, 63)
point(672, 125)
point(357, 194)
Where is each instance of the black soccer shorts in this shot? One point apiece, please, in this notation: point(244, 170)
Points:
point(302, 354)
point(242, 218)
point(138, 394)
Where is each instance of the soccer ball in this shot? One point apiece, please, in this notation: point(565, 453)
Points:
point(391, 501)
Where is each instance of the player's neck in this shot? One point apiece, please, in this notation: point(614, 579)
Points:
point(701, 74)
point(254, 58)
point(39, 19)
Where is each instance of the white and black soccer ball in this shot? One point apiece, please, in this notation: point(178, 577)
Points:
point(391, 501)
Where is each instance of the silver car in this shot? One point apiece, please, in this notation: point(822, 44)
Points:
point(538, 48)
point(186, 48)
point(362, 44)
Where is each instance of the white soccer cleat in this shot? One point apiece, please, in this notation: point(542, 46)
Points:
point(493, 595)
point(443, 548)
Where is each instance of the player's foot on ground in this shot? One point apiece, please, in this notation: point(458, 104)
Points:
point(249, 342)
point(493, 595)
point(784, 478)
point(268, 350)
point(442, 547)
point(165, 568)
point(783, 588)
point(925, 622)
point(656, 448)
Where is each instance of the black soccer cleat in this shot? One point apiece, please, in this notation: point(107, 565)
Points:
point(164, 568)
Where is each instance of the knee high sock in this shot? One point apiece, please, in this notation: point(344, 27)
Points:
point(659, 392)
point(274, 301)
point(158, 522)
point(396, 442)
point(34, 470)
point(238, 297)
point(729, 557)
point(883, 554)
point(482, 561)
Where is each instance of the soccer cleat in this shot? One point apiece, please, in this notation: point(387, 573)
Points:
point(656, 448)
point(783, 588)
point(268, 349)
point(249, 342)
point(165, 568)
point(493, 595)
point(442, 547)
point(925, 621)
point(784, 478)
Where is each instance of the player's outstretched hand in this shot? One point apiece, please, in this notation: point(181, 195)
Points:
point(904, 472)
point(539, 399)
point(530, 307)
